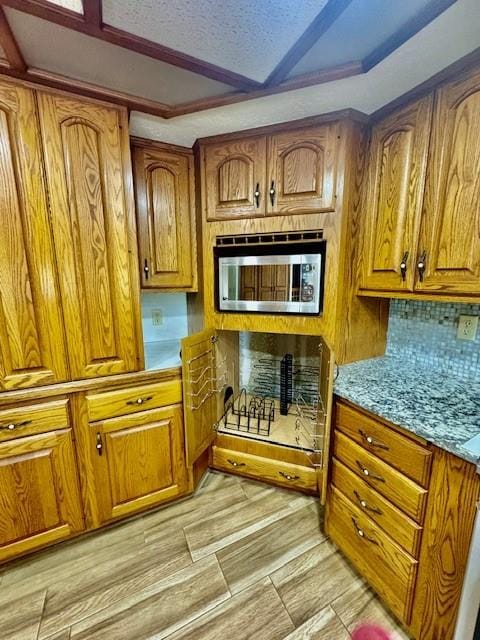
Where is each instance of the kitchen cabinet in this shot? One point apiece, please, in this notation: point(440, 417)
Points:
point(165, 214)
point(88, 175)
point(40, 499)
point(396, 178)
point(284, 173)
point(32, 349)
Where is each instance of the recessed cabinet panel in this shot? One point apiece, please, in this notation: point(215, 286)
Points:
point(235, 179)
point(31, 336)
point(302, 170)
point(165, 221)
point(450, 234)
point(397, 164)
point(92, 218)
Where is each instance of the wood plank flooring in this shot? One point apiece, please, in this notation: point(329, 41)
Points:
point(238, 559)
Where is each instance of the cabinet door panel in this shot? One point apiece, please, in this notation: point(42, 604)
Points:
point(92, 220)
point(302, 170)
point(165, 219)
point(31, 333)
point(232, 172)
point(451, 221)
point(39, 501)
point(398, 155)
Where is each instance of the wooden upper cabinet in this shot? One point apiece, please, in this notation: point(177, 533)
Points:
point(396, 180)
point(166, 224)
point(450, 234)
point(91, 196)
point(302, 167)
point(234, 173)
point(31, 334)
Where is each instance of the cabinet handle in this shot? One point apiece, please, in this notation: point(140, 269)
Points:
point(368, 474)
point(234, 463)
point(14, 425)
point(362, 533)
point(403, 266)
point(288, 476)
point(365, 506)
point(99, 445)
point(421, 265)
point(372, 442)
point(140, 400)
point(272, 193)
point(257, 195)
point(146, 269)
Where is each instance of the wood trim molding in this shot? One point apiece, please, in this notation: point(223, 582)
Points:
point(92, 12)
point(136, 141)
point(77, 22)
point(324, 20)
point(9, 45)
point(406, 31)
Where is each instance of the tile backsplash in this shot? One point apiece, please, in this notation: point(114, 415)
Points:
point(426, 333)
point(171, 308)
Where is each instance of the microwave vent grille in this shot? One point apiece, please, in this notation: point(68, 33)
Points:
point(270, 238)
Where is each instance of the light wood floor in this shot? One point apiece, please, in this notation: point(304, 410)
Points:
point(238, 560)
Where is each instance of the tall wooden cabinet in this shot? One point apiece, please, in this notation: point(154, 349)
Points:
point(166, 223)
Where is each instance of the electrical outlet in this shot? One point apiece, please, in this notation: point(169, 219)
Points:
point(157, 317)
point(467, 327)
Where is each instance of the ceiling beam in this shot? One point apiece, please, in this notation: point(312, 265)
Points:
point(407, 31)
point(92, 12)
point(72, 20)
point(9, 45)
point(324, 20)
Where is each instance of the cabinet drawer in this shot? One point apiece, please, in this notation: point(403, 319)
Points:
point(386, 567)
point(403, 492)
point(32, 419)
point(398, 450)
point(281, 473)
point(399, 527)
point(121, 402)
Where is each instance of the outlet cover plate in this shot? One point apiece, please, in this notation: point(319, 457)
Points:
point(157, 317)
point(467, 327)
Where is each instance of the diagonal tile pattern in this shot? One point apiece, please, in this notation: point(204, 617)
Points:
point(238, 559)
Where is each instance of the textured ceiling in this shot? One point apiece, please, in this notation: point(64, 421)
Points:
point(246, 36)
point(84, 58)
point(451, 36)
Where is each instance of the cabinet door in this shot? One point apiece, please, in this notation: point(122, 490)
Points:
point(450, 234)
point(39, 499)
point(163, 184)
point(234, 173)
point(87, 164)
point(302, 169)
point(397, 165)
point(31, 333)
point(140, 461)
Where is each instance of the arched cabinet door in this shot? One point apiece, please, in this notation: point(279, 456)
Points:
point(302, 170)
point(32, 349)
point(396, 180)
point(235, 176)
point(450, 236)
point(88, 167)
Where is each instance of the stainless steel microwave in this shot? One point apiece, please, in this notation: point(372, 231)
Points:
point(271, 277)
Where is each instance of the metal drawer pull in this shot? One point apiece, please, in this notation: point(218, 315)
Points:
point(372, 442)
point(14, 425)
point(288, 476)
point(99, 445)
point(362, 533)
point(257, 195)
point(365, 506)
point(369, 474)
point(140, 400)
point(234, 463)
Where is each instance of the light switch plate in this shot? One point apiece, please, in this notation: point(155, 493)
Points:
point(467, 327)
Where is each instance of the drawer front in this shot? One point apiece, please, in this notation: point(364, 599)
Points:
point(280, 473)
point(399, 527)
point(32, 419)
point(403, 492)
point(121, 402)
point(386, 567)
point(397, 450)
